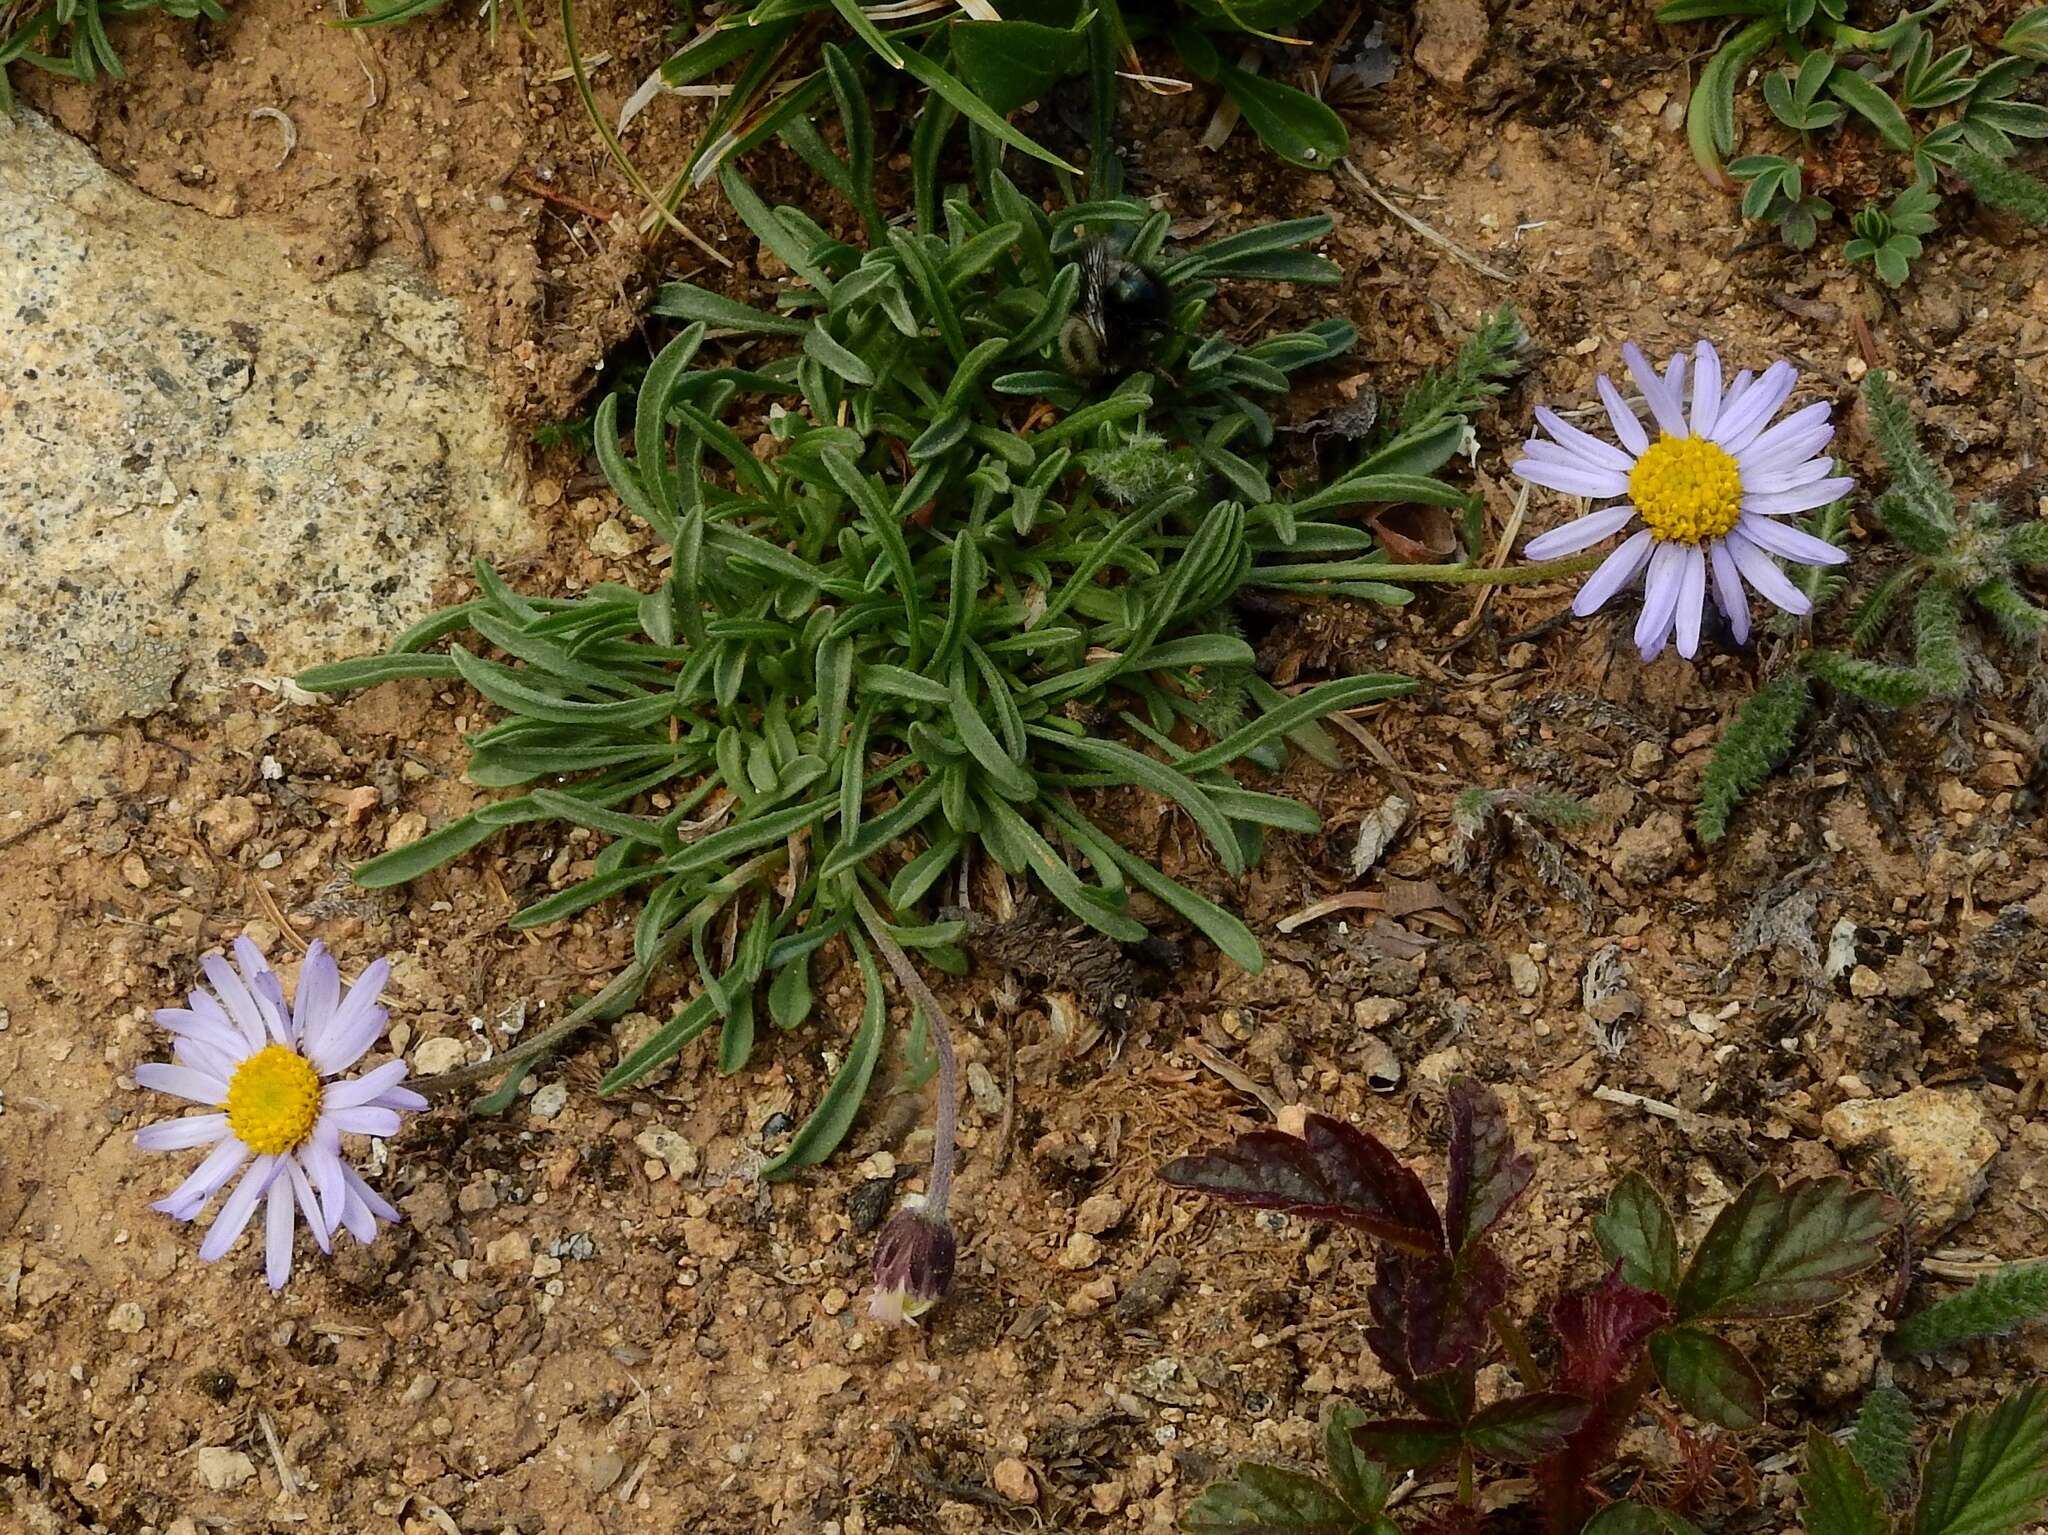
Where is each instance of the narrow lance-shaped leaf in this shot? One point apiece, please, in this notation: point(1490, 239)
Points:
point(826, 1125)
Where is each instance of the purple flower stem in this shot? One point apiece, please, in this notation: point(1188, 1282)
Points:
point(940, 1184)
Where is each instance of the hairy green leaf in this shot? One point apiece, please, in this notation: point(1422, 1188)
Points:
point(1999, 1302)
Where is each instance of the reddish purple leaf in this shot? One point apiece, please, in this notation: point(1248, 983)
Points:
point(1429, 1313)
point(1601, 1336)
point(1487, 1174)
point(1524, 1429)
point(1331, 1172)
point(1601, 1333)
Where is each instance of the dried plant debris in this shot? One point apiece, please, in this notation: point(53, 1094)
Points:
point(1492, 822)
point(1054, 954)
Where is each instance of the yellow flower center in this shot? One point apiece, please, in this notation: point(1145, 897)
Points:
point(1687, 489)
point(273, 1099)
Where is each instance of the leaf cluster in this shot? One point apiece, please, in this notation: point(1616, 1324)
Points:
point(69, 37)
point(1958, 561)
point(903, 624)
point(1440, 1297)
point(1985, 1475)
point(1923, 106)
point(982, 70)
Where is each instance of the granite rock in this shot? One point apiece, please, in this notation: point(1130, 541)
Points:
point(212, 467)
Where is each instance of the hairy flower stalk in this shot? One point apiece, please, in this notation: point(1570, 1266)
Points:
point(914, 1255)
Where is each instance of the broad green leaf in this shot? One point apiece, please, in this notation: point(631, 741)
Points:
point(1293, 124)
point(1779, 1252)
point(1409, 1444)
point(1839, 1497)
point(1008, 63)
point(1524, 1429)
point(1638, 1519)
point(1361, 1482)
point(1988, 1475)
point(1636, 1229)
point(1262, 1499)
point(1709, 1377)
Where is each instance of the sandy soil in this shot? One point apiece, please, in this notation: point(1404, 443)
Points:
point(571, 1336)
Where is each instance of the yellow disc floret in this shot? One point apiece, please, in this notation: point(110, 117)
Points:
point(273, 1099)
point(1688, 490)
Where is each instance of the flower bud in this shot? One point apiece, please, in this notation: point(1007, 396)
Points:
point(913, 1266)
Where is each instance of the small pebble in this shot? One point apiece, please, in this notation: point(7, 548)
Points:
point(981, 1083)
point(1098, 1213)
point(549, 1101)
point(513, 1250)
point(435, 1056)
point(1013, 1480)
point(1082, 1251)
point(126, 1317)
point(601, 1471)
point(676, 1156)
point(222, 1469)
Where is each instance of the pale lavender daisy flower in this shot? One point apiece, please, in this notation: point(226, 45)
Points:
point(271, 1073)
point(1713, 492)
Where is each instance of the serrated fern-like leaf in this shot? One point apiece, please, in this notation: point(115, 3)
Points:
point(1997, 1303)
point(2004, 187)
point(1867, 627)
point(1471, 810)
point(1883, 1442)
point(1890, 687)
point(1918, 510)
point(2026, 544)
point(1226, 704)
point(1824, 583)
point(1555, 809)
point(2017, 619)
point(1753, 745)
point(1839, 1496)
point(1988, 1475)
point(1491, 356)
point(1938, 640)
